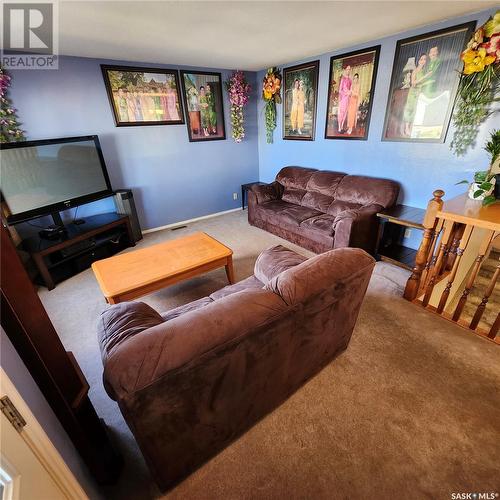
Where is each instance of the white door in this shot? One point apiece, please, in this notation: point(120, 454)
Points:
point(30, 466)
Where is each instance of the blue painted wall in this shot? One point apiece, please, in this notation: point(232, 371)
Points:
point(175, 180)
point(172, 179)
point(420, 168)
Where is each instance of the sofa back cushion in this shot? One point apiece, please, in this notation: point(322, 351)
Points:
point(322, 272)
point(294, 181)
point(320, 190)
point(363, 190)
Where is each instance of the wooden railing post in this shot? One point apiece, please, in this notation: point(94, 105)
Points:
point(429, 223)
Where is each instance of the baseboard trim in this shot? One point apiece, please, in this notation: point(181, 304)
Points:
point(189, 221)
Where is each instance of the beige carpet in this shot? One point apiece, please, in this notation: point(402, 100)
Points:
point(410, 410)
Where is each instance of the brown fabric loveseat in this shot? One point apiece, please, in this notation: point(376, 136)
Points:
point(320, 210)
point(193, 379)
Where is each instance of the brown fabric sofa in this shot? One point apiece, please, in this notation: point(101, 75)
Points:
point(191, 380)
point(320, 210)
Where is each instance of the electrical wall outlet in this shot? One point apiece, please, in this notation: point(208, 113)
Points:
point(407, 232)
point(235, 196)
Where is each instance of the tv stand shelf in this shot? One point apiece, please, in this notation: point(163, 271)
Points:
point(101, 236)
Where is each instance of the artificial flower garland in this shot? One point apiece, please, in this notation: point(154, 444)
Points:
point(238, 89)
point(479, 84)
point(9, 125)
point(271, 87)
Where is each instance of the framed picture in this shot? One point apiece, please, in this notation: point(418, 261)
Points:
point(300, 91)
point(143, 96)
point(424, 82)
point(202, 93)
point(350, 94)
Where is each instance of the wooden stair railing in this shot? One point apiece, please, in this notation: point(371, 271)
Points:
point(449, 228)
point(428, 240)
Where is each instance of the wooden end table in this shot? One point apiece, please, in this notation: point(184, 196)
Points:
point(393, 224)
point(133, 274)
point(245, 188)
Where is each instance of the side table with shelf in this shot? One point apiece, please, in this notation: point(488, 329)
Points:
point(245, 188)
point(393, 224)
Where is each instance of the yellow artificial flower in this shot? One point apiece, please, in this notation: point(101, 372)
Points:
point(476, 60)
point(267, 94)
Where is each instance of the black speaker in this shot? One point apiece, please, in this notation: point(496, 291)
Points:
point(124, 202)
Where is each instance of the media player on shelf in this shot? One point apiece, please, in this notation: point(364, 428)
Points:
point(52, 232)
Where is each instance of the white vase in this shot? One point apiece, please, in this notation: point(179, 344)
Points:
point(475, 186)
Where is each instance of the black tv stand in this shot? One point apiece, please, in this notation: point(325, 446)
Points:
point(74, 249)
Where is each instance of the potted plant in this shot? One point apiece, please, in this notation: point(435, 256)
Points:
point(484, 180)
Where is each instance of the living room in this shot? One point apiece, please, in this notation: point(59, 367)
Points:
point(250, 257)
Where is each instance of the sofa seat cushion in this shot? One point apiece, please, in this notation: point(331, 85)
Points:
point(250, 283)
point(192, 306)
point(280, 212)
point(339, 206)
point(322, 223)
point(275, 260)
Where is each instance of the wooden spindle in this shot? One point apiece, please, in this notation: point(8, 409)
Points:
point(431, 260)
point(445, 240)
point(481, 307)
point(494, 328)
point(452, 254)
point(429, 223)
point(465, 236)
point(473, 274)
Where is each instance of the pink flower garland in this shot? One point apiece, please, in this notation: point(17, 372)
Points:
point(238, 90)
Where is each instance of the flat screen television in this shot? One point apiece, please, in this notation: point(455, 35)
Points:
point(43, 177)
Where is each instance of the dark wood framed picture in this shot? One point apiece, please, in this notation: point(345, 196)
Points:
point(202, 92)
point(143, 96)
point(351, 87)
point(300, 95)
point(424, 83)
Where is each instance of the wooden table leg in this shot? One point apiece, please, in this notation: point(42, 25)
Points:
point(230, 270)
point(44, 272)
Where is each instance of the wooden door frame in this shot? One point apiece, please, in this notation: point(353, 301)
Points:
point(39, 443)
point(54, 370)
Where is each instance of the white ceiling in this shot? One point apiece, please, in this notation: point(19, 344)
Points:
point(249, 35)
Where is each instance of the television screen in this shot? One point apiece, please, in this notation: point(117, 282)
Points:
point(43, 176)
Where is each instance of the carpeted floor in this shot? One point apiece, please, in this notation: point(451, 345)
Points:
point(410, 410)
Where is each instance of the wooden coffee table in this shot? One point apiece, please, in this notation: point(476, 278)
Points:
point(133, 274)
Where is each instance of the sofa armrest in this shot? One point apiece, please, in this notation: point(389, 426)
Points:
point(357, 227)
point(142, 358)
point(275, 260)
point(267, 192)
